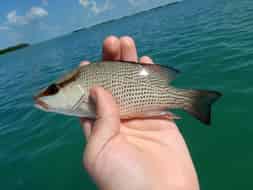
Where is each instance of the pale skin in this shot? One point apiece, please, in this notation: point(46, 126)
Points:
point(137, 154)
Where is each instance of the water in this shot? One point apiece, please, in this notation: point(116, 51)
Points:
point(210, 41)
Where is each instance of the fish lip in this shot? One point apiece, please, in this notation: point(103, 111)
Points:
point(40, 103)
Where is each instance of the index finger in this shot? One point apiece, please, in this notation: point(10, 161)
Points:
point(111, 48)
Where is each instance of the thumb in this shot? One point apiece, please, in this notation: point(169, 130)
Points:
point(105, 127)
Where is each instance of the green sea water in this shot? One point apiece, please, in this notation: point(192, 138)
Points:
point(210, 41)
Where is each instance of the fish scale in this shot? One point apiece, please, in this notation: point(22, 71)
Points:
point(133, 95)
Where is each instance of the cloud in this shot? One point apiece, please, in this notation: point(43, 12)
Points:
point(37, 12)
point(149, 3)
point(4, 28)
point(84, 3)
point(12, 18)
point(32, 14)
point(136, 3)
point(44, 2)
point(92, 5)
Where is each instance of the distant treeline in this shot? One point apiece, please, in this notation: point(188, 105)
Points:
point(13, 48)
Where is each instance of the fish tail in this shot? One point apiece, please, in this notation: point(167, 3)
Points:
point(199, 104)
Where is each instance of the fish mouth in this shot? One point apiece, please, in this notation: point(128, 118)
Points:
point(40, 104)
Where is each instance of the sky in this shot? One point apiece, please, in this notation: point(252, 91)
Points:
point(33, 21)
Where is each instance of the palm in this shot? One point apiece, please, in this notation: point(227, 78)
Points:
point(145, 148)
point(141, 140)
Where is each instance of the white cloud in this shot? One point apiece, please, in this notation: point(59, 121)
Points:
point(4, 28)
point(136, 3)
point(44, 2)
point(32, 14)
point(37, 12)
point(13, 18)
point(141, 3)
point(92, 4)
point(84, 3)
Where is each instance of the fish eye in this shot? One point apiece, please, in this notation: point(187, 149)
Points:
point(52, 89)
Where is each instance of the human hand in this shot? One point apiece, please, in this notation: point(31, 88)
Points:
point(133, 154)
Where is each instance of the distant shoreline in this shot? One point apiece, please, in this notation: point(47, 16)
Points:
point(112, 20)
point(13, 48)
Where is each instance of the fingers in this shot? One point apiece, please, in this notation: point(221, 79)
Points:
point(105, 104)
point(87, 126)
point(111, 48)
point(105, 127)
point(146, 59)
point(122, 49)
point(128, 50)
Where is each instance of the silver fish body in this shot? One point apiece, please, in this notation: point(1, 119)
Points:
point(140, 90)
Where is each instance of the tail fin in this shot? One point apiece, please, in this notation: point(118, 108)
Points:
point(201, 104)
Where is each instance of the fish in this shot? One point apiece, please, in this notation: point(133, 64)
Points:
point(140, 90)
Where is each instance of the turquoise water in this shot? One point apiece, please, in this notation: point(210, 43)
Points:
point(210, 41)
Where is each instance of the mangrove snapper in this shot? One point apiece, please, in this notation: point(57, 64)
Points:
point(140, 90)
